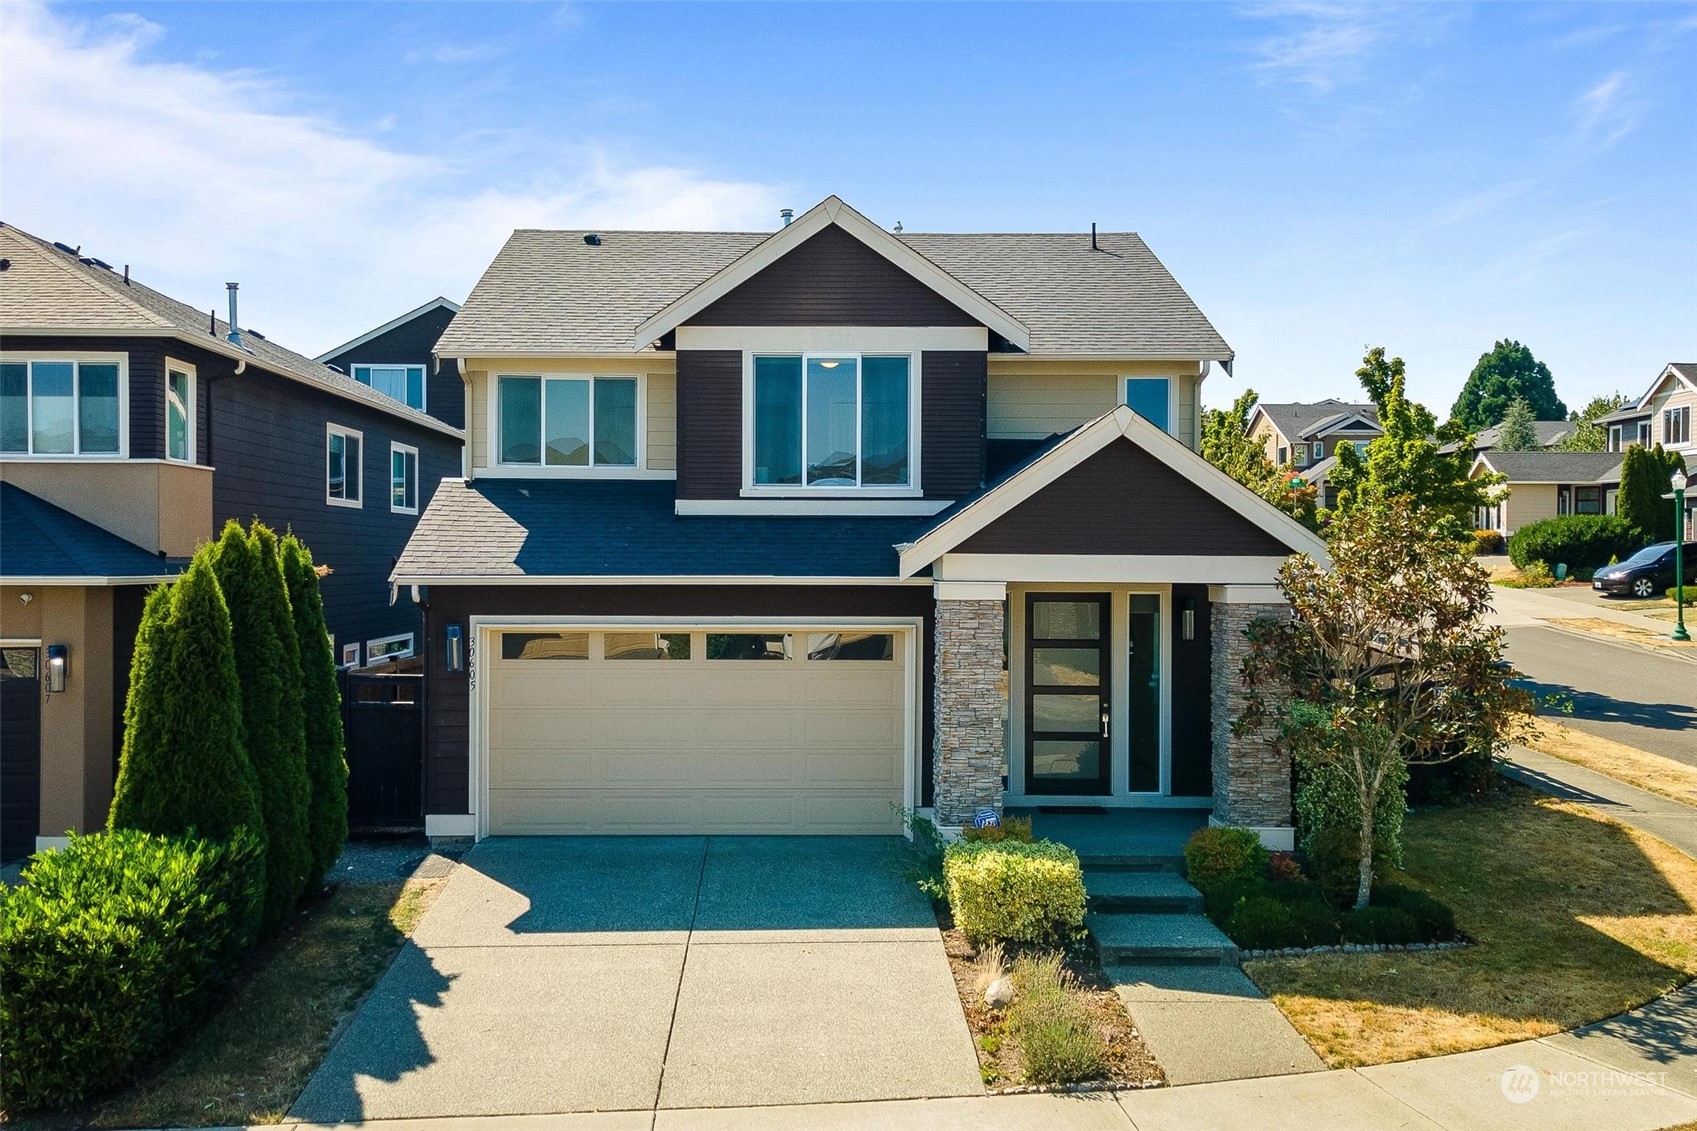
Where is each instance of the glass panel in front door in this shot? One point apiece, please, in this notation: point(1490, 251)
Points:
point(1066, 693)
point(1143, 736)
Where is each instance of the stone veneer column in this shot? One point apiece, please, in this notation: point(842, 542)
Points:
point(1251, 780)
point(968, 757)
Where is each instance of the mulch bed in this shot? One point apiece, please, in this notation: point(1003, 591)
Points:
point(1130, 1064)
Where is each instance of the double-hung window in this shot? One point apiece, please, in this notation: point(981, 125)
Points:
point(838, 420)
point(1676, 425)
point(1149, 397)
point(179, 412)
point(403, 481)
point(403, 382)
point(54, 407)
point(343, 477)
point(568, 421)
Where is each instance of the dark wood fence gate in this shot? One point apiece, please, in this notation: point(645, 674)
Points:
point(383, 721)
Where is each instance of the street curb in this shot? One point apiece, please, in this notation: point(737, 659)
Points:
point(1684, 655)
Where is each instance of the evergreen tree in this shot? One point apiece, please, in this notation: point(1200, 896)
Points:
point(326, 769)
point(184, 764)
point(1227, 445)
point(1588, 433)
point(1406, 463)
point(1506, 371)
point(275, 742)
point(1518, 431)
point(1644, 479)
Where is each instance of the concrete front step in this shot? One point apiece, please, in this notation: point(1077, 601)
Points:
point(1132, 862)
point(1160, 938)
point(1121, 892)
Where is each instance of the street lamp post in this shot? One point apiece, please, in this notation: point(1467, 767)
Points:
point(1679, 632)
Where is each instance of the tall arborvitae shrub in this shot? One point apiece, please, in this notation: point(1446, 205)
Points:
point(184, 767)
point(274, 739)
point(326, 768)
point(1646, 475)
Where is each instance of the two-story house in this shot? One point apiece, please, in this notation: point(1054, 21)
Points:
point(1301, 435)
point(1663, 415)
point(787, 532)
point(131, 427)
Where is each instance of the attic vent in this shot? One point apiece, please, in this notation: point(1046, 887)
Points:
point(593, 239)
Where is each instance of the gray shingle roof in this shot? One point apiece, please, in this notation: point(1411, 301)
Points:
point(1556, 467)
point(38, 539)
point(1550, 432)
point(549, 292)
point(509, 528)
point(1298, 421)
point(49, 289)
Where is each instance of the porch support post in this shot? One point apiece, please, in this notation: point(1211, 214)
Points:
point(1252, 781)
point(971, 700)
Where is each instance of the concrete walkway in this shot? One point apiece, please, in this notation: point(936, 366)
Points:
point(591, 974)
point(1210, 1023)
point(1659, 816)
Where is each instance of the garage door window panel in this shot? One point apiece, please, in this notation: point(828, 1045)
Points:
point(545, 645)
point(748, 646)
point(873, 646)
point(646, 646)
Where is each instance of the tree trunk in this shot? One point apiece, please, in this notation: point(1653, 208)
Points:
point(1364, 881)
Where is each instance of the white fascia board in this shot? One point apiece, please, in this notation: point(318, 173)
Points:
point(1344, 425)
point(830, 211)
point(821, 507)
point(1246, 595)
point(1110, 569)
point(1081, 445)
point(505, 579)
point(433, 304)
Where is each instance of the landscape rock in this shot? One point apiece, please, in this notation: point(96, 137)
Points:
point(999, 994)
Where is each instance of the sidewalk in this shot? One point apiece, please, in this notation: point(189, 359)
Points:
point(1567, 609)
point(1659, 816)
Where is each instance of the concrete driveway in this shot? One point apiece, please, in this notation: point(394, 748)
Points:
point(594, 974)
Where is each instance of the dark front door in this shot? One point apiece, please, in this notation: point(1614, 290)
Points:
point(1066, 693)
point(20, 751)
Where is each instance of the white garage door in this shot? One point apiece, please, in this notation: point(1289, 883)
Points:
point(696, 731)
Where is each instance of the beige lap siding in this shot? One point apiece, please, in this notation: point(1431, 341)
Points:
point(697, 746)
point(660, 428)
point(1031, 399)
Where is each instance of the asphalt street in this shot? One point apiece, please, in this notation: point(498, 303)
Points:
point(1621, 693)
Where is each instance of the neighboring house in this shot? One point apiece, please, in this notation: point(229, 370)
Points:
point(1546, 484)
point(131, 427)
point(398, 358)
point(1550, 434)
point(1667, 415)
point(1302, 435)
point(788, 532)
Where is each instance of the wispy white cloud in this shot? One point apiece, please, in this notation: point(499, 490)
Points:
point(455, 53)
point(1483, 202)
point(1322, 44)
point(195, 176)
point(1607, 111)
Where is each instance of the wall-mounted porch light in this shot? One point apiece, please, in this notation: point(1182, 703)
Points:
point(453, 649)
point(1187, 621)
point(58, 666)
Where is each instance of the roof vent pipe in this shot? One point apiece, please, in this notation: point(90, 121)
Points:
point(787, 214)
point(235, 334)
point(1093, 246)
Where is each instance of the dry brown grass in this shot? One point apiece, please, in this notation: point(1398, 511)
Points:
point(1623, 763)
point(1574, 917)
point(1631, 633)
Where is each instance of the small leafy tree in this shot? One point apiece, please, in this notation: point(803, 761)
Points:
point(1589, 434)
point(1406, 462)
point(1506, 371)
point(1227, 445)
point(184, 766)
point(326, 768)
point(1644, 479)
point(1519, 429)
point(254, 591)
point(1385, 662)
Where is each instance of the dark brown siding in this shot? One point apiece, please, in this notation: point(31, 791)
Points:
point(832, 279)
point(1122, 500)
point(413, 343)
point(951, 438)
point(447, 694)
point(1193, 720)
point(709, 424)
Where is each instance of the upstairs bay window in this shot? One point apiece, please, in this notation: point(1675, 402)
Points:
point(568, 421)
point(53, 407)
point(839, 421)
point(405, 383)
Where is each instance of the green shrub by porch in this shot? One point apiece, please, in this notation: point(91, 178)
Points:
point(109, 947)
point(1216, 856)
point(253, 589)
point(1579, 541)
point(184, 766)
point(1032, 893)
point(321, 704)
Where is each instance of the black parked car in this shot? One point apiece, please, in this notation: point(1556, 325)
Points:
point(1648, 573)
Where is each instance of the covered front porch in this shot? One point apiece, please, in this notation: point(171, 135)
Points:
point(1151, 838)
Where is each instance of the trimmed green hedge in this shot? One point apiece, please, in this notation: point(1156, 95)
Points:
point(1215, 856)
point(110, 946)
point(1016, 891)
point(1582, 541)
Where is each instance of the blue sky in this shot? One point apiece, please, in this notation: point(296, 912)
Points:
point(1319, 176)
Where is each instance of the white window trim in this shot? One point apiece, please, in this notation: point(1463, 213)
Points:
point(592, 470)
point(394, 447)
point(346, 648)
point(192, 408)
point(915, 375)
point(1172, 395)
point(1682, 413)
point(411, 648)
point(340, 430)
point(123, 362)
point(423, 382)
